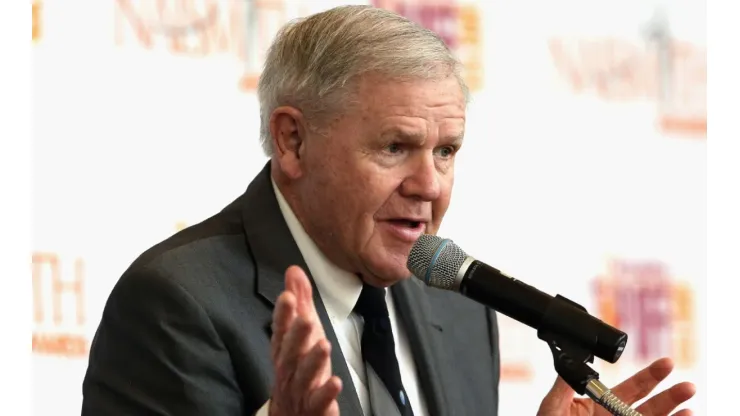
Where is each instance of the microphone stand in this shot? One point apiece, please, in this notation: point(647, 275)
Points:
point(570, 364)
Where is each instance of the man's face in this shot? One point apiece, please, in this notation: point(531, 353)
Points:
point(383, 175)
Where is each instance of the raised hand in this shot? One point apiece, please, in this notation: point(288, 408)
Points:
point(304, 384)
point(560, 400)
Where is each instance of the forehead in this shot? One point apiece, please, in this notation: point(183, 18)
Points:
point(438, 100)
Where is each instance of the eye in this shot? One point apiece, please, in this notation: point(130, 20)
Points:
point(393, 148)
point(446, 151)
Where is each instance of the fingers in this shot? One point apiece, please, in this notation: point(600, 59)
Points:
point(324, 399)
point(558, 398)
point(684, 412)
point(562, 389)
point(295, 344)
point(283, 316)
point(641, 384)
point(665, 402)
point(296, 300)
point(311, 368)
point(297, 282)
point(301, 353)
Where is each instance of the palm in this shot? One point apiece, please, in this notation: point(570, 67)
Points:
point(583, 407)
point(586, 407)
point(560, 401)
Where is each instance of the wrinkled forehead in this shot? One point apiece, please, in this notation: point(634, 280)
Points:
point(433, 100)
point(375, 88)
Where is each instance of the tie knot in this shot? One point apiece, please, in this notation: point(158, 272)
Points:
point(371, 303)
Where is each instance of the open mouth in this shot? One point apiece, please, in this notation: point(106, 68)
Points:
point(411, 224)
point(405, 229)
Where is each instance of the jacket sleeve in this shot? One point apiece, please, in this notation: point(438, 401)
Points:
point(156, 352)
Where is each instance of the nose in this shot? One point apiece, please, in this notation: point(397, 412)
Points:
point(423, 180)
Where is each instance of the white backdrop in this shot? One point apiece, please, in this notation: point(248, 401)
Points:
point(579, 174)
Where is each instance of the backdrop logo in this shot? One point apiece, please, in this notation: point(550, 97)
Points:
point(459, 25)
point(239, 29)
point(58, 306)
point(655, 310)
point(36, 20)
point(669, 72)
point(245, 29)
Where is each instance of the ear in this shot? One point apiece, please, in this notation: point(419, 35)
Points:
point(288, 130)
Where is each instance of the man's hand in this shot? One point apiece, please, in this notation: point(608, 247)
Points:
point(304, 384)
point(560, 401)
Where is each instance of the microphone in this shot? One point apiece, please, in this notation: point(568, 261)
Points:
point(442, 264)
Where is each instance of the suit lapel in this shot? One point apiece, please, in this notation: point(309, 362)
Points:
point(425, 336)
point(274, 250)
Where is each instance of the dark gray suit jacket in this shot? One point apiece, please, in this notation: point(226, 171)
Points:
point(186, 330)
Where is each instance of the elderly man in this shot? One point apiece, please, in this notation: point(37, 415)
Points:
point(295, 299)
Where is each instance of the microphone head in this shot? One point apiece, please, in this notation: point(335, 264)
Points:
point(436, 261)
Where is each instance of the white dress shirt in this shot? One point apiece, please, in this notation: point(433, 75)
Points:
point(339, 291)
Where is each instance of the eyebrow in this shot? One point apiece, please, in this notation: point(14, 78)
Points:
point(405, 136)
point(459, 138)
point(402, 135)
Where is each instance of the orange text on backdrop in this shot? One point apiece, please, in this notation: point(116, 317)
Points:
point(656, 310)
point(244, 30)
point(58, 306)
point(459, 25)
point(36, 20)
point(619, 70)
point(203, 28)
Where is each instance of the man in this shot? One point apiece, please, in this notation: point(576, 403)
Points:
point(295, 299)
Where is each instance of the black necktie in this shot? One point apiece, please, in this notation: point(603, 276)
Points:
point(387, 394)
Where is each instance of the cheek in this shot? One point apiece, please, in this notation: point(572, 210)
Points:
point(357, 197)
point(439, 206)
point(376, 198)
point(372, 200)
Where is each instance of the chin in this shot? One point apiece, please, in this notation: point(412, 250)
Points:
point(383, 281)
point(386, 273)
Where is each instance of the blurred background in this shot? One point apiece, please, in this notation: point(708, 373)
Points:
point(583, 171)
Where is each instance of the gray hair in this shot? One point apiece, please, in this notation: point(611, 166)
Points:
point(314, 62)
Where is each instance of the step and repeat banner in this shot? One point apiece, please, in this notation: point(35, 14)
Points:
point(583, 172)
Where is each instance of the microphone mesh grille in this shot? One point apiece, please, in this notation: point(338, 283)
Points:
point(444, 268)
point(421, 254)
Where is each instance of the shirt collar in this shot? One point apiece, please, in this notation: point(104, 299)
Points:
point(338, 288)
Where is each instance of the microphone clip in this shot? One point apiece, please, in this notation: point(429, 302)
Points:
point(570, 361)
point(571, 364)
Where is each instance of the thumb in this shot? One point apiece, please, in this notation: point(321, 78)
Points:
point(558, 399)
